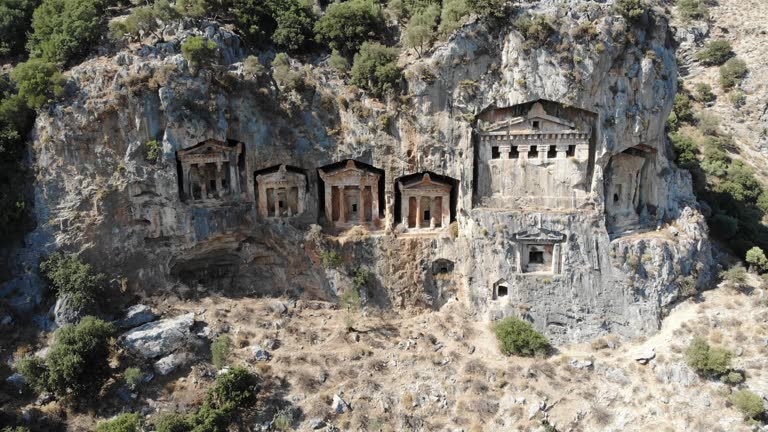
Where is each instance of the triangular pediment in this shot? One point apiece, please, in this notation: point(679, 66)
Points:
point(208, 147)
point(425, 183)
point(348, 170)
point(536, 120)
point(540, 235)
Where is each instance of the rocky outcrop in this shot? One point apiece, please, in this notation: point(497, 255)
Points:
point(160, 338)
point(98, 192)
point(135, 316)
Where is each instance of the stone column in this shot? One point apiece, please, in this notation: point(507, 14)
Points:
point(404, 199)
point(504, 151)
point(342, 205)
point(204, 186)
point(542, 149)
point(375, 202)
point(328, 204)
point(277, 202)
point(446, 210)
point(432, 212)
point(186, 181)
point(556, 258)
point(562, 150)
point(263, 199)
point(234, 178)
point(523, 149)
point(302, 196)
point(361, 204)
point(419, 216)
point(219, 178)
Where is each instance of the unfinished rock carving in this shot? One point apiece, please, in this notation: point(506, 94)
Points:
point(211, 171)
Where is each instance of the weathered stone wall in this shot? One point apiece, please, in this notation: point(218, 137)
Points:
point(98, 194)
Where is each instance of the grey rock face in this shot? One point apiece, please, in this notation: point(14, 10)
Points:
point(65, 312)
point(137, 315)
point(170, 363)
point(159, 338)
point(105, 194)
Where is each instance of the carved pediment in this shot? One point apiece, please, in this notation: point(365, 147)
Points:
point(539, 235)
point(211, 149)
point(425, 183)
point(349, 171)
point(535, 121)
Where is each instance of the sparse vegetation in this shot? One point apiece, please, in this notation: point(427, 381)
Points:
point(517, 337)
point(133, 377)
point(631, 10)
point(732, 72)
point(199, 51)
point(129, 422)
point(749, 403)
point(220, 350)
point(703, 93)
point(154, 150)
point(375, 69)
point(421, 29)
point(715, 52)
point(691, 10)
point(77, 364)
point(757, 260)
point(706, 360)
point(331, 259)
point(39, 82)
point(736, 278)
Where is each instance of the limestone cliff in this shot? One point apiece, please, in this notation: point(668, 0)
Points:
point(619, 266)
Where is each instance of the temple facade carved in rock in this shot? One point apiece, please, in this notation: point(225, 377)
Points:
point(531, 160)
point(351, 194)
point(424, 202)
point(211, 171)
point(281, 192)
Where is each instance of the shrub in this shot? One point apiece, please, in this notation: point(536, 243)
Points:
point(631, 10)
point(220, 350)
point(732, 377)
point(199, 51)
point(682, 107)
point(133, 377)
point(172, 422)
point(518, 337)
point(715, 53)
point(295, 21)
point(154, 150)
point(233, 389)
point(421, 29)
point(65, 30)
point(732, 72)
point(72, 277)
point(347, 25)
point(375, 69)
point(142, 20)
point(749, 403)
point(77, 363)
point(15, 20)
point(737, 98)
point(685, 149)
point(735, 278)
point(491, 8)
point(331, 259)
point(703, 92)
point(690, 10)
point(283, 420)
point(535, 28)
point(285, 75)
point(338, 62)
point(254, 19)
point(756, 258)
point(129, 422)
point(361, 277)
point(706, 360)
point(453, 15)
point(707, 123)
point(351, 300)
point(39, 82)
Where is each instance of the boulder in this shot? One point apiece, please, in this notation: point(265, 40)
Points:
point(644, 355)
point(159, 338)
point(135, 316)
point(338, 405)
point(261, 354)
point(17, 380)
point(169, 363)
point(316, 423)
point(66, 312)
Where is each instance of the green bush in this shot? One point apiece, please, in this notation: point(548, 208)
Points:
point(129, 422)
point(39, 82)
point(15, 20)
point(421, 29)
point(375, 69)
point(65, 30)
point(707, 123)
point(749, 403)
point(703, 92)
point(715, 53)
point(756, 258)
point(631, 10)
point(220, 350)
point(338, 61)
point(732, 72)
point(233, 389)
point(361, 277)
point(536, 29)
point(690, 10)
point(735, 278)
point(453, 16)
point(732, 378)
point(133, 377)
point(70, 276)
point(294, 21)
point(518, 337)
point(685, 150)
point(331, 259)
point(351, 300)
point(283, 420)
point(199, 51)
point(737, 98)
point(78, 362)
point(142, 20)
point(683, 108)
point(489, 8)
point(347, 25)
point(172, 422)
point(706, 360)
